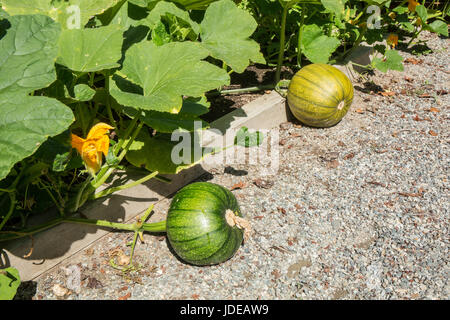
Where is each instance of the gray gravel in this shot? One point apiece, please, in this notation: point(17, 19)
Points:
point(356, 211)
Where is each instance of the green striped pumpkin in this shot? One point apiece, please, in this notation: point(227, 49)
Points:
point(319, 95)
point(196, 225)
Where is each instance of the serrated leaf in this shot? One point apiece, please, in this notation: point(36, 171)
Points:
point(27, 63)
point(195, 106)
point(194, 4)
point(422, 13)
point(66, 12)
point(439, 27)
point(162, 8)
point(187, 119)
point(156, 77)
point(392, 61)
point(87, 50)
point(25, 123)
point(142, 3)
point(225, 32)
point(160, 35)
point(168, 122)
point(27, 55)
point(335, 6)
point(316, 46)
point(245, 138)
point(9, 283)
point(83, 92)
point(128, 14)
point(155, 154)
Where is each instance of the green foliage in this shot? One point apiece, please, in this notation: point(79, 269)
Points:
point(9, 282)
point(392, 61)
point(317, 46)
point(326, 31)
point(27, 58)
point(228, 39)
point(87, 50)
point(164, 74)
point(141, 66)
point(244, 138)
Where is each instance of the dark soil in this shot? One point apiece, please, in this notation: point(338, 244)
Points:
point(254, 75)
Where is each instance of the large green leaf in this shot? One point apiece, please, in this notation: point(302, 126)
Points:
point(27, 59)
point(335, 6)
point(25, 123)
point(27, 54)
point(63, 11)
point(194, 4)
point(439, 27)
point(9, 282)
point(225, 32)
point(156, 77)
point(316, 46)
point(155, 153)
point(391, 61)
point(88, 50)
point(187, 119)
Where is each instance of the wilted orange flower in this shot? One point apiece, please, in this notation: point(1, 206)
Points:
point(392, 40)
point(418, 22)
point(91, 148)
point(412, 4)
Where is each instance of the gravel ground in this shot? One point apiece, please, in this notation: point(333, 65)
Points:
point(356, 211)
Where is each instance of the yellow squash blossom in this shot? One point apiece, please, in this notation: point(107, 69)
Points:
point(392, 40)
point(91, 148)
point(412, 4)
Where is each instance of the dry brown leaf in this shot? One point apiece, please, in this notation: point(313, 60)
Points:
point(413, 61)
point(388, 93)
point(359, 111)
point(125, 297)
point(261, 183)
point(239, 185)
point(433, 109)
point(281, 210)
point(349, 156)
point(433, 133)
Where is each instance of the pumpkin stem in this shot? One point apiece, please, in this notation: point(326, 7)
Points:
point(234, 220)
point(341, 105)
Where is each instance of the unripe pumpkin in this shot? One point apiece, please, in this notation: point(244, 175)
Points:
point(319, 95)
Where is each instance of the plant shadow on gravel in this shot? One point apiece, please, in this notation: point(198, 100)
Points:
point(418, 49)
point(369, 87)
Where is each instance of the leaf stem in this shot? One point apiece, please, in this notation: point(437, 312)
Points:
point(130, 128)
point(300, 38)
point(108, 191)
point(241, 90)
point(155, 227)
point(282, 40)
point(100, 180)
point(12, 198)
